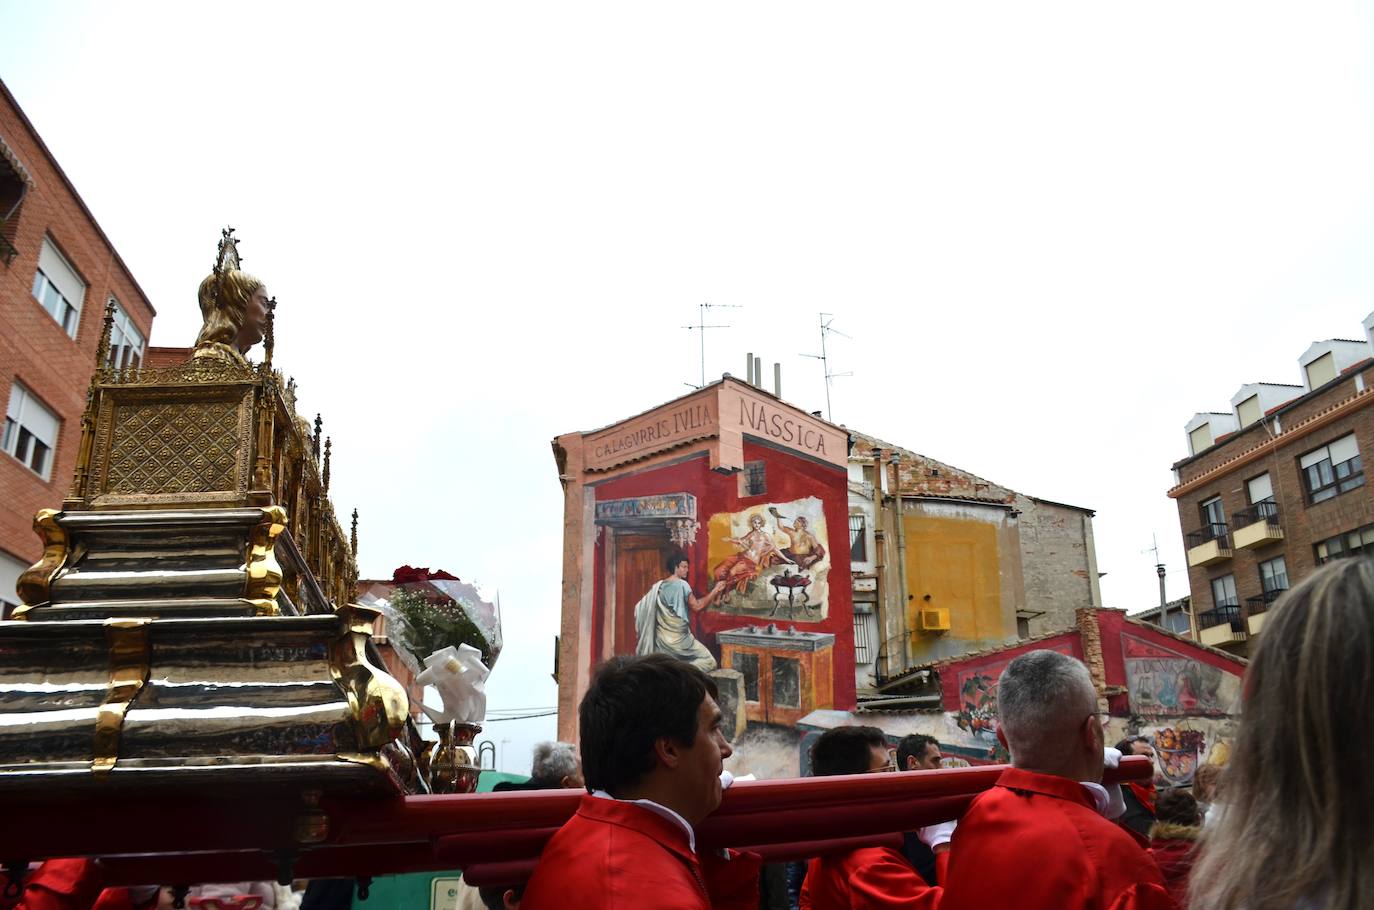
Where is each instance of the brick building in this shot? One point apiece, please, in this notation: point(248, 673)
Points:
point(1275, 487)
point(57, 271)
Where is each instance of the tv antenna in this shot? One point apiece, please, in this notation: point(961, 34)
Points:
point(827, 330)
point(701, 327)
point(1159, 569)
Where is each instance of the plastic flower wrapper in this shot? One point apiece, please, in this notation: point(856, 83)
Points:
point(461, 678)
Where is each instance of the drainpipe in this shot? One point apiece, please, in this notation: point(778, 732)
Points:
point(880, 565)
point(903, 595)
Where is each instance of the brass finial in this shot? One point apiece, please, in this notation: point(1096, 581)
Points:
point(269, 340)
point(315, 440)
point(102, 351)
point(324, 476)
point(353, 535)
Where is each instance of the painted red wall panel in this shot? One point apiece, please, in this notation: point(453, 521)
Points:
point(950, 673)
point(789, 477)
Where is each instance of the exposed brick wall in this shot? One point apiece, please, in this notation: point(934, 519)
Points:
point(33, 348)
point(1302, 524)
point(159, 358)
point(1091, 636)
point(1059, 562)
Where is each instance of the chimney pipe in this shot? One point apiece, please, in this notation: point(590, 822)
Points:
point(1163, 598)
point(758, 372)
point(777, 379)
point(749, 367)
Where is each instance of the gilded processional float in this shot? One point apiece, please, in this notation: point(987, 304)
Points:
point(188, 676)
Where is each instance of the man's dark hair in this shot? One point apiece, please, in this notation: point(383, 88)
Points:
point(914, 744)
point(631, 703)
point(1177, 806)
point(1124, 747)
point(675, 558)
point(845, 750)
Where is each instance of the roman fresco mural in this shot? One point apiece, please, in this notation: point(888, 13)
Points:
point(1163, 682)
point(769, 561)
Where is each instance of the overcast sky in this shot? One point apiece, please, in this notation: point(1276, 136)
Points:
point(1053, 233)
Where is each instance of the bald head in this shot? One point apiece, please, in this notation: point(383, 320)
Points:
point(1046, 708)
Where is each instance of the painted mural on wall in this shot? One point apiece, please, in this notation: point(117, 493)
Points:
point(770, 561)
point(1162, 682)
point(1183, 747)
point(977, 714)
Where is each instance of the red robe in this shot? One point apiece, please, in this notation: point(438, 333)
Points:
point(1034, 840)
point(70, 884)
point(622, 856)
point(870, 878)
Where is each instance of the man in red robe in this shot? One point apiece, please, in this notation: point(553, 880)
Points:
point(1038, 838)
point(872, 878)
point(652, 755)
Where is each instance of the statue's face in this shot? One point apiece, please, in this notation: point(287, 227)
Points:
point(254, 320)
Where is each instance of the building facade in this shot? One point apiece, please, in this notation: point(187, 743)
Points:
point(58, 271)
point(945, 562)
point(751, 494)
point(1275, 487)
point(827, 570)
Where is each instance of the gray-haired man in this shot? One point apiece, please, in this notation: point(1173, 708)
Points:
point(1038, 838)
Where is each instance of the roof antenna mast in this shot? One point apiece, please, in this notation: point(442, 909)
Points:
point(1160, 571)
point(824, 358)
point(701, 328)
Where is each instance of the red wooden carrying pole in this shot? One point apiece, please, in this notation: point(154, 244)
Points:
point(380, 837)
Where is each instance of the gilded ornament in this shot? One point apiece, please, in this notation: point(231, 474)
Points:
point(35, 585)
point(378, 702)
point(129, 667)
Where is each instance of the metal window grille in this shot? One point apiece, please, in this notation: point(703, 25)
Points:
point(755, 483)
point(858, 539)
point(862, 648)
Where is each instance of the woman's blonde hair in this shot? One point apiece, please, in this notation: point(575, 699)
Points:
point(1298, 822)
point(224, 305)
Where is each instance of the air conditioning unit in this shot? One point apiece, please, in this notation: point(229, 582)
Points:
point(934, 619)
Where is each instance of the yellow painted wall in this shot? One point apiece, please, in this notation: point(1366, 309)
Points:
point(956, 562)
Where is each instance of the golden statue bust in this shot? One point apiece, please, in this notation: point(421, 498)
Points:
point(234, 306)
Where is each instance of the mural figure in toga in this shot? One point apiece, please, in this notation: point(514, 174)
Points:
point(663, 616)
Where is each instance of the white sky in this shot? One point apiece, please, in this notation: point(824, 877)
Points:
point(1054, 232)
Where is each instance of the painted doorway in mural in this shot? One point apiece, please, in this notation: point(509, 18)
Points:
point(638, 564)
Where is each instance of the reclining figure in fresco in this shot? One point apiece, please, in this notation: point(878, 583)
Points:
point(663, 616)
point(757, 551)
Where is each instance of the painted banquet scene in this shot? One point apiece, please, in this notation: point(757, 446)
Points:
point(713, 458)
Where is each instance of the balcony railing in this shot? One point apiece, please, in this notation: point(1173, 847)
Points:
point(1225, 613)
point(1267, 511)
point(1260, 602)
point(1208, 533)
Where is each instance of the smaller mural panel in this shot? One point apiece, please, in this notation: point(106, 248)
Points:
point(1177, 752)
point(1187, 744)
point(1162, 682)
point(772, 561)
point(977, 714)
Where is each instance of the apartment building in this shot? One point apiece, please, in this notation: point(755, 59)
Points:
point(1275, 486)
